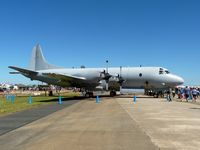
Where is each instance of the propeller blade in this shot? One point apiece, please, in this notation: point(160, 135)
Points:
point(106, 86)
point(120, 88)
point(120, 78)
point(104, 75)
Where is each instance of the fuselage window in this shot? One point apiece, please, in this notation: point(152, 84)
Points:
point(161, 72)
point(140, 75)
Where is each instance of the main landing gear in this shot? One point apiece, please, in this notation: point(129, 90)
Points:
point(89, 94)
point(113, 93)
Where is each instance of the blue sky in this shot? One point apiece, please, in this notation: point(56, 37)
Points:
point(88, 32)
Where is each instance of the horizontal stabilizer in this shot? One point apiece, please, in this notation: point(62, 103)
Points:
point(14, 72)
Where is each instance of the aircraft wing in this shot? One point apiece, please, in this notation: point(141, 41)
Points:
point(62, 79)
point(24, 71)
point(65, 78)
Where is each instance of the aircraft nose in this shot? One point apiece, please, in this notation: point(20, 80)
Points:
point(179, 80)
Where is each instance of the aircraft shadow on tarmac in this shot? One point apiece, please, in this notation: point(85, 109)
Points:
point(54, 99)
point(197, 108)
point(131, 96)
point(64, 99)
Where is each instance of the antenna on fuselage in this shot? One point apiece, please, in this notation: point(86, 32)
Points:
point(106, 66)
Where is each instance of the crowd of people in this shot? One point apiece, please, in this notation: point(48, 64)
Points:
point(188, 93)
point(182, 93)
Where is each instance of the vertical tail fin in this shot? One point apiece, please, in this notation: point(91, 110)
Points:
point(37, 61)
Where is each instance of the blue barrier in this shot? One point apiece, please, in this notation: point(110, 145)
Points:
point(13, 98)
point(10, 98)
point(30, 100)
point(60, 100)
point(134, 99)
point(7, 98)
point(97, 99)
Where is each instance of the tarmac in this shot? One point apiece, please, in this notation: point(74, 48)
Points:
point(18, 119)
point(170, 125)
point(112, 124)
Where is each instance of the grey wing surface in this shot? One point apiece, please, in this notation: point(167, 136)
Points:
point(67, 80)
point(24, 71)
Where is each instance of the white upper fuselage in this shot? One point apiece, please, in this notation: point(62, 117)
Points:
point(135, 77)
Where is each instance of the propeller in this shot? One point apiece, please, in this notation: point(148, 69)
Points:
point(105, 75)
point(120, 78)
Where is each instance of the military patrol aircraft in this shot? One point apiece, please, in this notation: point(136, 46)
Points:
point(91, 79)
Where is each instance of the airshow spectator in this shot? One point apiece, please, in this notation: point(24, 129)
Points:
point(182, 93)
point(179, 93)
point(173, 93)
point(198, 92)
point(190, 94)
point(187, 93)
point(194, 93)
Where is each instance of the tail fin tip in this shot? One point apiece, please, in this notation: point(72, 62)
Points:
point(37, 61)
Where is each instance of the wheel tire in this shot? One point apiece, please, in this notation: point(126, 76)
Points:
point(112, 93)
point(89, 94)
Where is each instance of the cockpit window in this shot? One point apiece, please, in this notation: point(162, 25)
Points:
point(167, 72)
point(163, 71)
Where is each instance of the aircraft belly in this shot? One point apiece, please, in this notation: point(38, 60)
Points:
point(134, 84)
point(146, 84)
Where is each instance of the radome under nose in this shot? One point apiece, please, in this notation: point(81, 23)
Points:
point(179, 80)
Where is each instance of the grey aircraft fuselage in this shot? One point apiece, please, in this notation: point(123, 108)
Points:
point(134, 77)
point(90, 78)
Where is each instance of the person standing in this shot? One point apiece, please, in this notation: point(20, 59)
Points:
point(187, 93)
point(169, 99)
point(194, 94)
point(173, 93)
